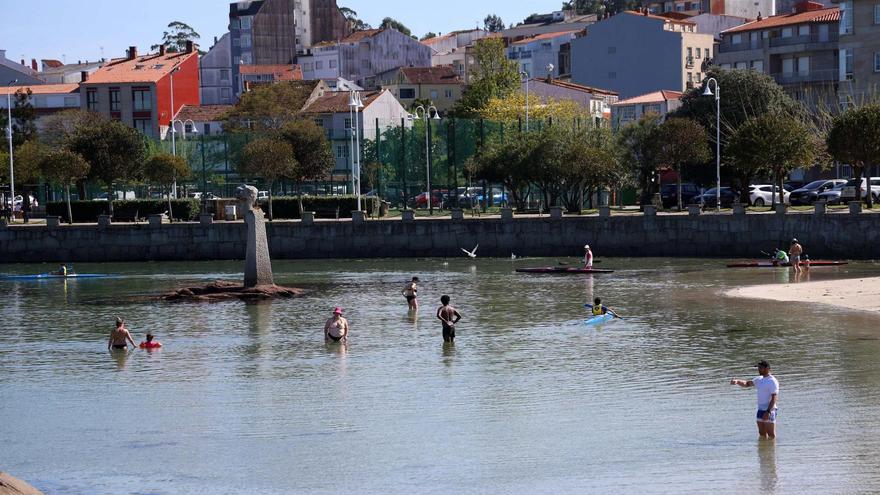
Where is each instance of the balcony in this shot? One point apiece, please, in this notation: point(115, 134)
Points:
point(739, 47)
point(815, 76)
point(689, 62)
point(811, 38)
point(520, 55)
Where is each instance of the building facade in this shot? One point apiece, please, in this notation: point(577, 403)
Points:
point(799, 50)
point(555, 22)
point(441, 86)
point(596, 101)
point(215, 73)
point(46, 98)
point(633, 53)
point(859, 52)
point(137, 90)
point(68, 73)
point(11, 70)
point(535, 55)
point(630, 110)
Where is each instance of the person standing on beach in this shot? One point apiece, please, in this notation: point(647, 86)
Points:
point(336, 328)
point(768, 393)
point(588, 258)
point(794, 253)
point(448, 316)
point(411, 292)
point(119, 336)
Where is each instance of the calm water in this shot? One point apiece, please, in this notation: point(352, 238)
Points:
point(248, 398)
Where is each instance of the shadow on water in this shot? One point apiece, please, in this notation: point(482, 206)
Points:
point(767, 460)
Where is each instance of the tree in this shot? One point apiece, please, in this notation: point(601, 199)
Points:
point(392, 23)
point(165, 169)
point(774, 142)
point(269, 107)
point(493, 23)
point(353, 21)
point(509, 163)
point(854, 138)
point(24, 118)
point(593, 161)
point(682, 141)
point(114, 152)
point(600, 7)
point(429, 35)
point(638, 142)
point(176, 37)
point(311, 150)
point(494, 76)
point(57, 128)
point(512, 108)
point(64, 167)
point(269, 158)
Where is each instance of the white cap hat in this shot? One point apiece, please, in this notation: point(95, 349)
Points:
point(586, 246)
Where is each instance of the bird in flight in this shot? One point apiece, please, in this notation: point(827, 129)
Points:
point(471, 254)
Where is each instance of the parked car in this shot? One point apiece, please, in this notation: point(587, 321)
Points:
point(120, 195)
point(669, 194)
point(791, 185)
point(709, 197)
point(809, 194)
point(848, 193)
point(831, 196)
point(262, 195)
point(762, 194)
point(421, 201)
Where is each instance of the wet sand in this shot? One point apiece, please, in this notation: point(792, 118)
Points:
point(859, 293)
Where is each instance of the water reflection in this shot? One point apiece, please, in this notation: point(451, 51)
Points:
point(120, 356)
point(767, 460)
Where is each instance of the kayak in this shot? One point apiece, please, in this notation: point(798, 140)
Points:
point(767, 264)
point(51, 276)
point(561, 270)
point(595, 320)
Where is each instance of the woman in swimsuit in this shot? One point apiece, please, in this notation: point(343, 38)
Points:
point(120, 337)
point(411, 291)
point(336, 328)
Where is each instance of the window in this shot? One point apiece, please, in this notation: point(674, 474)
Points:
point(736, 39)
point(92, 99)
point(332, 64)
point(679, 7)
point(847, 61)
point(319, 122)
point(758, 65)
point(690, 52)
point(245, 22)
point(698, 77)
point(725, 66)
point(699, 52)
point(142, 99)
point(319, 64)
point(447, 93)
point(206, 129)
point(788, 66)
point(877, 14)
point(628, 113)
point(71, 101)
point(224, 75)
point(803, 65)
point(876, 61)
point(695, 5)
point(407, 93)
point(114, 99)
point(226, 93)
point(246, 58)
point(846, 17)
point(753, 38)
point(804, 30)
point(308, 66)
point(741, 65)
point(245, 40)
point(434, 94)
point(144, 125)
point(652, 108)
point(690, 77)
point(341, 151)
point(236, 42)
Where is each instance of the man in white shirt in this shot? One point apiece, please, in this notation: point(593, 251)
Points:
point(768, 392)
point(588, 258)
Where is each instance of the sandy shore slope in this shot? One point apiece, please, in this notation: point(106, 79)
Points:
point(856, 293)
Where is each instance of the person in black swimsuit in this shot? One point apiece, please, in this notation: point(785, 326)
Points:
point(120, 337)
point(411, 292)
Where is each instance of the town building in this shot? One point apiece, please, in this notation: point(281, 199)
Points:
point(440, 86)
point(10, 70)
point(555, 22)
point(632, 109)
point(597, 102)
point(46, 98)
point(859, 52)
point(54, 72)
point(715, 24)
point(444, 43)
point(215, 73)
point(364, 54)
point(205, 120)
point(535, 55)
point(749, 9)
point(799, 50)
point(137, 90)
point(635, 53)
point(267, 74)
point(455, 50)
point(331, 111)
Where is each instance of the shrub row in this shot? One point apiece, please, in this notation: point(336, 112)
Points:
point(323, 206)
point(88, 211)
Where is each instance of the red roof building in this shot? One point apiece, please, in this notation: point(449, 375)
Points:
point(137, 90)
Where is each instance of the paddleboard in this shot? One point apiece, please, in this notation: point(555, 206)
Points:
point(49, 276)
point(767, 264)
point(562, 270)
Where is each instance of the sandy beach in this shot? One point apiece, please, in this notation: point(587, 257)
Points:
point(857, 293)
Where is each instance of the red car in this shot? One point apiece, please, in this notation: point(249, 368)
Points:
point(421, 201)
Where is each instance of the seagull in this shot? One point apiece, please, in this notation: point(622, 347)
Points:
point(471, 254)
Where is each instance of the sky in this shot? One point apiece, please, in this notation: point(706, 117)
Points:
point(71, 30)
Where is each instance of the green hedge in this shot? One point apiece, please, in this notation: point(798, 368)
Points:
point(88, 211)
point(323, 206)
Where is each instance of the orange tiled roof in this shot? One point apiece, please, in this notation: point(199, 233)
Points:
point(148, 68)
point(666, 19)
point(203, 113)
point(821, 15)
point(280, 72)
point(655, 97)
point(360, 35)
point(576, 87)
point(430, 75)
point(45, 89)
point(437, 39)
point(337, 102)
point(52, 63)
point(545, 36)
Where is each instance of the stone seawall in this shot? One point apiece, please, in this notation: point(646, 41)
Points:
point(728, 236)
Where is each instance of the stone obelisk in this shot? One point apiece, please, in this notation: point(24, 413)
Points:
point(257, 265)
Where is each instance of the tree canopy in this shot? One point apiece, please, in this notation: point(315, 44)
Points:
point(390, 22)
point(512, 107)
point(269, 107)
point(176, 37)
point(311, 150)
point(64, 167)
point(638, 142)
point(494, 76)
point(493, 23)
point(353, 21)
point(682, 142)
point(854, 138)
point(269, 158)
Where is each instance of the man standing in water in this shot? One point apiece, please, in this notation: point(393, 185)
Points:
point(449, 316)
point(795, 252)
point(768, 392)
point(588, 258)
point(411, 292)
point(120, 337)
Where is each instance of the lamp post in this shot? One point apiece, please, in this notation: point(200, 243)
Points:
point(354, 106)
point(173, 143)
point(526, 75)
point(717, 94)
point(426, 114)
point(9, 138)
point(182, 123)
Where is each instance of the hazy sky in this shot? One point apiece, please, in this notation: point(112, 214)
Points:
point(76, 30)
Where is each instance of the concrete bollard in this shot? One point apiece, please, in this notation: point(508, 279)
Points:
point(694, 210)
point(358, 217)
point(308, 218)
point(781, 209)
point(230, 212)
point(819, 208)
point(556, 212)
point(155, 220)
point(506, 214)
point(206, 219)
point(457, 214)
point(53, 221)
point(855, 207)
point(408, 215)
point(604, 211)
point(738, 208)
point(103, 221)
point(3, 223)
point(650, 210)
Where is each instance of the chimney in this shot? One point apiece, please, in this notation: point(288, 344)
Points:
point(22, 63)
point(161, 49)
point(189, 46)
point(759, 17)
point(84, 76)
point(806, 6)
point(34, 65)
point(215, 40)
point(132, 53)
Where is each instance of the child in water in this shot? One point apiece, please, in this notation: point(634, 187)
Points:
point(150, 344)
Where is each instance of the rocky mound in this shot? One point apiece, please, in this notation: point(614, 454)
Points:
point(224, 291)
point(10, 485)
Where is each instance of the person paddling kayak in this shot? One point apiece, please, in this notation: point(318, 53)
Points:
point(598, 309)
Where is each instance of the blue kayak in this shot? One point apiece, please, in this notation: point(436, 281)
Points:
point(52, 276)
point(598, 319)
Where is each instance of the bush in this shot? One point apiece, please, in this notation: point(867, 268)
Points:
point(88, 211)
point(323, 206)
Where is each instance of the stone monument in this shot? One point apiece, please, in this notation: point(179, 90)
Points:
point(257, 265)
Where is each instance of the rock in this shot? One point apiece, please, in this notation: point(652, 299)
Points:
point(10, 485)
point(222, 290)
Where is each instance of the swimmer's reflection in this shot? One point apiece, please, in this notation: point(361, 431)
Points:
point(120, 356)
point(767, 460)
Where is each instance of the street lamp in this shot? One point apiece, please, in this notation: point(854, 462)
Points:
point(173, 144)
point(426, 114)
point(182, 123)
point(717, 94)
point(526, 75)
point(9, 138)
point(354, 106)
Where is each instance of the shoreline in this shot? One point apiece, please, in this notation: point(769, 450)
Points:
point(860, 294)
